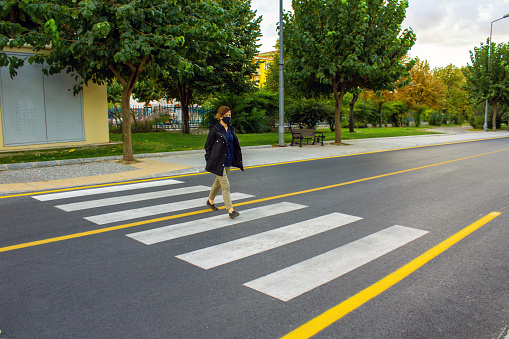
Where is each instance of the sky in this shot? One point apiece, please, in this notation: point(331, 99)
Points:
point(447, 30)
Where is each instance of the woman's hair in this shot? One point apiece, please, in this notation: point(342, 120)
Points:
point(221, 112)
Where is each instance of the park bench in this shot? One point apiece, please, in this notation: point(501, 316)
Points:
point(307, 134)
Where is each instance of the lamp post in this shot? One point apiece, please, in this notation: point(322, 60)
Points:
point(485, 126)
point(281, 80)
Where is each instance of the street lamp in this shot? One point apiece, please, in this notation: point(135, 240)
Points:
point(281, 80)
point(485, 126)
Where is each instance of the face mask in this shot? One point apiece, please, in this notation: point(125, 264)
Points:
point(227, 120)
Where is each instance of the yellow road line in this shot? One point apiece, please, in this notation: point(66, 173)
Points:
point(149, 221)
point(248, 167)
point(337, 312)
point(100, 230)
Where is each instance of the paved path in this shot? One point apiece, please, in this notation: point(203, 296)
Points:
point(151, 166)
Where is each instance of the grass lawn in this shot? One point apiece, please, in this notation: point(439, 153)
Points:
point(157, 142)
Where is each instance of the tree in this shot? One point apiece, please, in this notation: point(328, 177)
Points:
point(456, 97)
point(380, 97)
point(424, 91)
point(382, 88)
point(18, 28)
point(97, 40)
point(212, 64)
point(345, 44)
point(356, 92)
point(489, 79)
point(146, 91)
point(114, 98)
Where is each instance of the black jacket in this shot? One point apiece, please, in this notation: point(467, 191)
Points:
point(215, 151)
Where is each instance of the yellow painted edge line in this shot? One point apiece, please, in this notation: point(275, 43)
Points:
point(248, 167)
point(149, 221)
point(100, 230)
point(337, 312)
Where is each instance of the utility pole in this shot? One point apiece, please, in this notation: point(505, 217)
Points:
point(281, 80)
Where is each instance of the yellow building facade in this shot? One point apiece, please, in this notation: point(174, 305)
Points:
point(39, 111)
point(264, 59)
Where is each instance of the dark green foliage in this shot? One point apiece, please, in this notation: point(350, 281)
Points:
point(476, 120)
point(334, 46)
point(308, 113)
point(492, 84)
point(436, 119)
point(394, 112)
point(248, 114)
point(97, 40)
point(216, 63)
point(366, 112)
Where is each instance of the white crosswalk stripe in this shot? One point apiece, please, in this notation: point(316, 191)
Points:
point(241, 248)
point(107, 218)
point(166, 233)
point(295, 280)
point(131, 198)
point(284, 284)
point(108, 189)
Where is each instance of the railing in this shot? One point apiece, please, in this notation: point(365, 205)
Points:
point(165, 117)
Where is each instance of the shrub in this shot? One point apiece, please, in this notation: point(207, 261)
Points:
point(436, 118)
point(247, 114)
point(143, 125)
point(309, 112)
point(476, 121)
point(477, 118)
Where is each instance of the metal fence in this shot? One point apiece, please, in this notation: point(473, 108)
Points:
point(166, 117)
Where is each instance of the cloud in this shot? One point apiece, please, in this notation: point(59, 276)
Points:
point(446, 30)
point(269, 10)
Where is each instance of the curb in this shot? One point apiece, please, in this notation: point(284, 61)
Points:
point(53, 163)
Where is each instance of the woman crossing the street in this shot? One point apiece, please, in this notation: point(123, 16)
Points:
point(222, 151)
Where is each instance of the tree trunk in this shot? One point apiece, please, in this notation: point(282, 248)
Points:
point(185, 98)
point(127, 90)
point(126, 124)
point(352, 104)
point(380, 104)
point(338, 97)
point(494, 116)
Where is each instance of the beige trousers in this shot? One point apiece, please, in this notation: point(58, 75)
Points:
point(223, 183)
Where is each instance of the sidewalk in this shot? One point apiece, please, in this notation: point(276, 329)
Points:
point(81, 172)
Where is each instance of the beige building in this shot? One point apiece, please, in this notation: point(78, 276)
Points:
point(39, 111)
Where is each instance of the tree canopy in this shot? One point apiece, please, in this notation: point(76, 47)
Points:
point(97, 40)
point(488, 78)
point(346, 44)
point(217, 63)
point(456, 97)
point(425, 89)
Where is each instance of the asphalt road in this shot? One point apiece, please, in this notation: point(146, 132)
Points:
point(384, 245)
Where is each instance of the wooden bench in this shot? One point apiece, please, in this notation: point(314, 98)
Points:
point(306, 133)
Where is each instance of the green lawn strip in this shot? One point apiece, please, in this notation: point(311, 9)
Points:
point(158, 142)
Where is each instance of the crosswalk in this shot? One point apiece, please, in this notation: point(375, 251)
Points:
point(284, 284)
